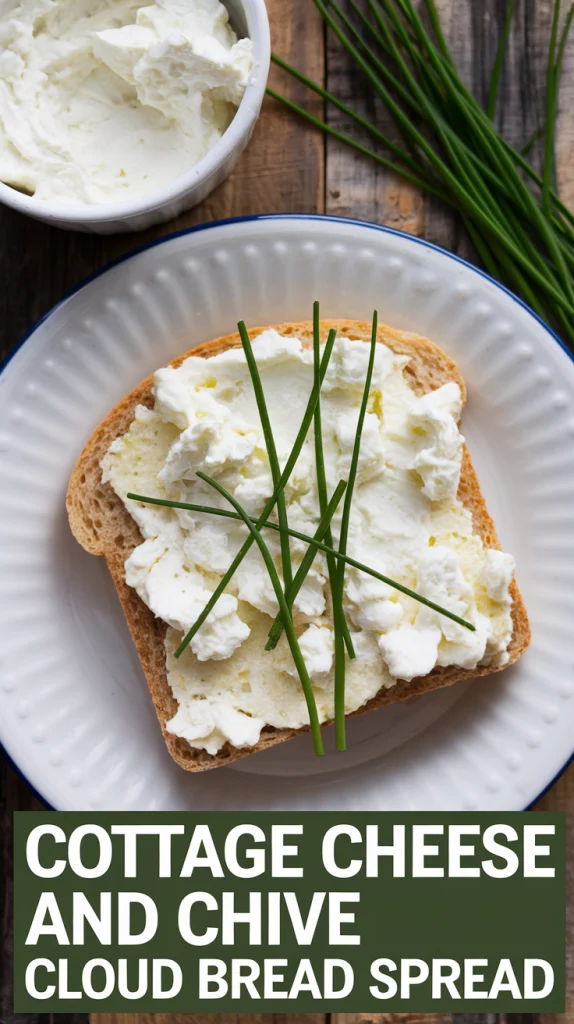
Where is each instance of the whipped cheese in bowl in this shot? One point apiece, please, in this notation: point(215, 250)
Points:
point(112, 99)
point(407, 522)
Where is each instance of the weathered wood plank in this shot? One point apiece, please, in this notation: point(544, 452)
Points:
point(356, 186)
point(283, 168)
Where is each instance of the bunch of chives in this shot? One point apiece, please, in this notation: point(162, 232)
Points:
point(451, 148)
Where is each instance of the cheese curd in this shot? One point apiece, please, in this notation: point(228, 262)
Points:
point(113, 98)
point(406, 522)
point(435, 416)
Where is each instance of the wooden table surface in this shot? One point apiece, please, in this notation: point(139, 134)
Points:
point(290, 167)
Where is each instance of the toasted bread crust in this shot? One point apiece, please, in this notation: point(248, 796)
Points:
point(103, 526)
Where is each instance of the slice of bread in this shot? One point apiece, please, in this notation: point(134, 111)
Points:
point(102, 525)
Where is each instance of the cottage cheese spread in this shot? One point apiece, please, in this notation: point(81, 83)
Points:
point(101, 99)
point(406, 522)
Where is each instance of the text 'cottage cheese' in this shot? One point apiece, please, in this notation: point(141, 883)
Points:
point(406, 522)
point(105, 99)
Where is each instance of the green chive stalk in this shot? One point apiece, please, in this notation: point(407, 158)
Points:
point(340, 731)
point(451, 148)
point(322, 531)
point(271, 453)
point(307, 539)
point(339, 621)
point(285, 612)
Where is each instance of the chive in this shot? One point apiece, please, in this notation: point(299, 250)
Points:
point(289, 465)
point(450, 176)
point(529, 145)
point(453, 149)
point(372, 129)
point(378, 64)
point(343, 539)
point(271, 452)
point(348, 141)
point(306, 563)
point(454, 93)
point(499, 61)
point(562, 44)
point(554, 72)
point(437, 29)
point(517, 155)
point(320, 545)
point(285, 612)
point(339, 621)
point(492, 140)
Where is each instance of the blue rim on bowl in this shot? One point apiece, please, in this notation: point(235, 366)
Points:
point(270, 217)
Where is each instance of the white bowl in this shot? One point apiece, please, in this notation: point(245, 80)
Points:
point(249, 18)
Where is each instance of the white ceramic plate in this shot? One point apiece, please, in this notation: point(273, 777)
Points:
point(75, 714)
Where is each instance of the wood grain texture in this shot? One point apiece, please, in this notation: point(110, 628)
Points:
point(356, 186)
point(283, 166)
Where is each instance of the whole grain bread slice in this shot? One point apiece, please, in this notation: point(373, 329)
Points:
point(103, 526)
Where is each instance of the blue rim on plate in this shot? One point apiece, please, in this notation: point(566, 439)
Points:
point(280, 216)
